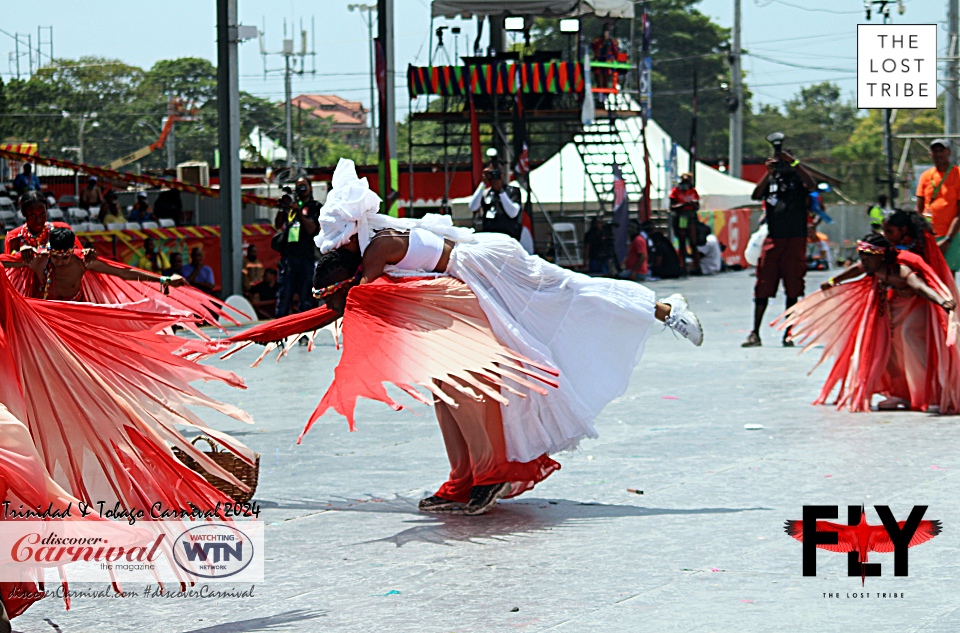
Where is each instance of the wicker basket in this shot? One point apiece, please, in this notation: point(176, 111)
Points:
point(229, 462)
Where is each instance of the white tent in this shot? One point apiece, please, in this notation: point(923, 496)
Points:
point(266, 147)
point(537, 8)
point(563, 177)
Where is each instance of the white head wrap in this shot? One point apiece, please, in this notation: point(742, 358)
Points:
point(352, 209)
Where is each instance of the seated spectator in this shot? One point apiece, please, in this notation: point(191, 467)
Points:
point(152, 260)
point(711, 255)
point(635, 266)
point(596, 248)
point(252, 269)
point(664, 261)
point(141, 211)
point(90, 196)
point(263, 295)
point(26, 181)
point(176, 264)
point(196, 273)
point(110, 211)
point(818, 250)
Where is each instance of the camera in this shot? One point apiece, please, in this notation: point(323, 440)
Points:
point(494, 174)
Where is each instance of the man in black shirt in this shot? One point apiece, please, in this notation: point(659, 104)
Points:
point(296, 225)
point(784, 190)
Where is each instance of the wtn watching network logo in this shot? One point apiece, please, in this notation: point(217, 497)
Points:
point(858, 538)
point(213, 550)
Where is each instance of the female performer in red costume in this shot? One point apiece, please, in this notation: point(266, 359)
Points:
point(891, 332)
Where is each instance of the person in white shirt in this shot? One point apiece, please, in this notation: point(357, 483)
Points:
point(711, 261)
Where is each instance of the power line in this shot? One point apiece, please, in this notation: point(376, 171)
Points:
point(804, 66)
point(802, 37)
point(803, 8)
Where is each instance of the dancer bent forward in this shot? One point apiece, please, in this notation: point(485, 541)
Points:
point(534, 309)
point(890, 332)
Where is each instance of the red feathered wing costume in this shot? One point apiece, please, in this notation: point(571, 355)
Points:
point(110, 290)
point(428, 335)
point(883, 343)
point(100, 393)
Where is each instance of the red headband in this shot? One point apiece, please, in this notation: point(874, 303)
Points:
point(870, 249)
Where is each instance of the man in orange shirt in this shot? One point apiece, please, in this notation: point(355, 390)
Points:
point(938, 194)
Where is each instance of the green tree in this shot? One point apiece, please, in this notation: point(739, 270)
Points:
point(3, 110)
point(860, 161)
point(56, 102)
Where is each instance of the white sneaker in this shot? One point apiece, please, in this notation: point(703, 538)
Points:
point(682, 321)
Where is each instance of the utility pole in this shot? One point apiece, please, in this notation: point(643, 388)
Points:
point(370, 8)
point(373, 109)
point(288, 98)
point(171, 139)
point(736, 104)
point(228, 105)
point(289, 69)
point(883, 7)
point(951, 114)
point(389, 178)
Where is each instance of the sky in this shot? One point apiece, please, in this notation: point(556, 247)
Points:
point(819, 36)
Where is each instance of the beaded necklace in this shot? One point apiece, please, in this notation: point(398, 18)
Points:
point(320, 293)
point(37, 241)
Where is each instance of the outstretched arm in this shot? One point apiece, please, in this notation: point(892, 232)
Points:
point(916, 282)
point(131, 274)
point(850, 273)
point(474, 205)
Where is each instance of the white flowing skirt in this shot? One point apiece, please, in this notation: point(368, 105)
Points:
point(592, 330)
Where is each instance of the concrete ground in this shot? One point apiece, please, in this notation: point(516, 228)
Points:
point(702, 549)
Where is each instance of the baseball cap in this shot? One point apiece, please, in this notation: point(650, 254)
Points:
point(141, 194)
point(940, 141)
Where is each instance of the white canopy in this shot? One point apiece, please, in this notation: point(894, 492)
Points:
point(571, 185)
point(264, 146)
point(535, 8)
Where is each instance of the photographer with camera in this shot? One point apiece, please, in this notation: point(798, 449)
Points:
point(296, 224)
point(784, 190)
point(499, 203)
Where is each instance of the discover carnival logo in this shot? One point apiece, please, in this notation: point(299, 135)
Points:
point(115, 551)
point(858, 538)
point(213, 550)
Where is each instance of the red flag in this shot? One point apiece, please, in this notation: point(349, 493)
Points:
point(644, 211)
point(523, 160)
point(476, 153)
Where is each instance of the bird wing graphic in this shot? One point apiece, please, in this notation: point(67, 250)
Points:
point(847, 540)
point(881, 542)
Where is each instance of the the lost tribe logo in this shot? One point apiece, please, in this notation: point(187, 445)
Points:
point(213, 551)
point(858, 538)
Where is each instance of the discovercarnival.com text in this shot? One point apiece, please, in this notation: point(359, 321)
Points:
point(151, 591)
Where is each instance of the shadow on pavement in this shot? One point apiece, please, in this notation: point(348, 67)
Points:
point(509, 518)
point(271, 623)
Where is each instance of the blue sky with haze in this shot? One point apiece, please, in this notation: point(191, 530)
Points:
point(811, 33)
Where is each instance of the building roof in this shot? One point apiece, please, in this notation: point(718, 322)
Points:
point(337, 109)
